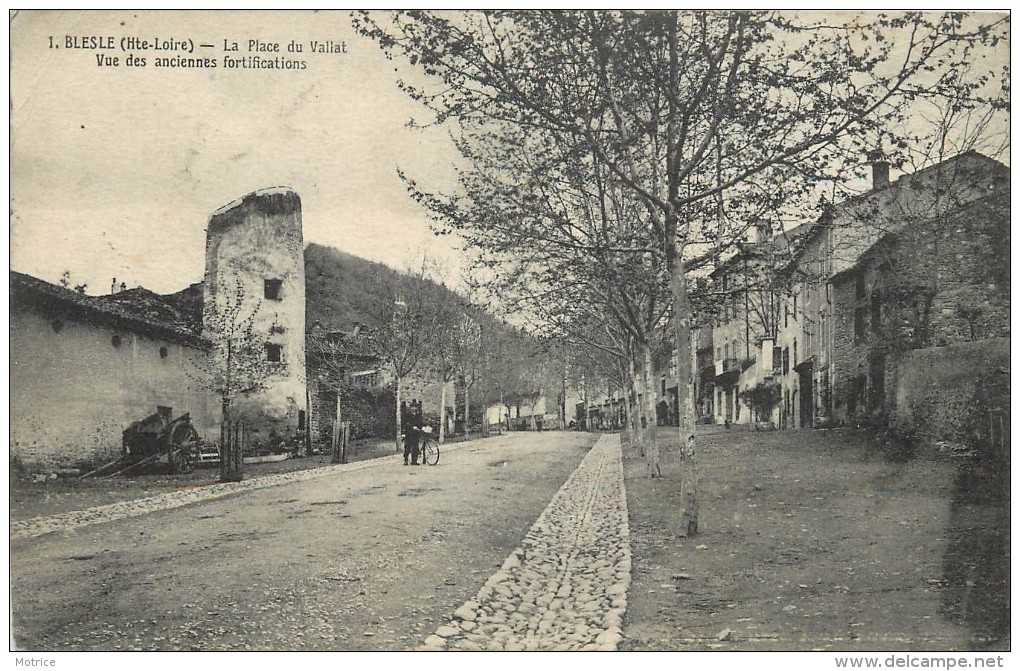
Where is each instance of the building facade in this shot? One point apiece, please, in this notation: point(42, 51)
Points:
point(83, 368)
point(937, 282)
point(810, 335)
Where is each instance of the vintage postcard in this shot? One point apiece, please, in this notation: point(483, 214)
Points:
point(511, 331)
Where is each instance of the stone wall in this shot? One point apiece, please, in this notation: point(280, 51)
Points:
point(371, 411)
point(945, 393)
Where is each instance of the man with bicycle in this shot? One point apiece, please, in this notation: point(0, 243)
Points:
point(410, 420)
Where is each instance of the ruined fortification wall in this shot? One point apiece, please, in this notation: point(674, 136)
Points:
point(255, 255)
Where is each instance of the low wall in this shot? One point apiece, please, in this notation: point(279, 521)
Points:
point(947, 393)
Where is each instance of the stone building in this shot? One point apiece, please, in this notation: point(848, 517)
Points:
point(85, 367)
point(343, 363)
point(255, 279)
point(937, 282)
point(808, 336)
point(746, 325)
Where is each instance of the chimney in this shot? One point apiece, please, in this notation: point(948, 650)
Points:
point(879, 170)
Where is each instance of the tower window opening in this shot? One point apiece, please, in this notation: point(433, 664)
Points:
point(274, 352)
point(273, 289)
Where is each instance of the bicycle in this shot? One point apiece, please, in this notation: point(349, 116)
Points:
point(429, 447)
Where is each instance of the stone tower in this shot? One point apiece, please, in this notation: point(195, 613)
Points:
point(254, 271)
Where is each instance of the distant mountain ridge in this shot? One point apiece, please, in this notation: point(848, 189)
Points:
point(339, 288)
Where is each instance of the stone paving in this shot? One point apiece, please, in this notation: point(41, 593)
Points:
point(38, 526)
point(565, 587)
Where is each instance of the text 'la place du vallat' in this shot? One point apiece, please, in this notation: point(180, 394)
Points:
point(255, 54)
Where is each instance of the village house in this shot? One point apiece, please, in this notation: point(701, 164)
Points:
point(745, 327)
point(542, 415)
point(343, 367)
point(935, 282)
point(809, 337)
point(83, 368)
point(775, 320)
point(705, 375)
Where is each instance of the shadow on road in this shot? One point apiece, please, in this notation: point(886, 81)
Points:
point(976, 566)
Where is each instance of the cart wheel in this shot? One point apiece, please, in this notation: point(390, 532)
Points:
point(181, 443)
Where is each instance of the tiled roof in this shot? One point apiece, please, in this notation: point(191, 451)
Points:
point(138, 310)
point(353, 344)
point(993, 205)
point(988, 168)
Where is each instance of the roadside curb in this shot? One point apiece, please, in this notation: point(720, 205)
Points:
point(76, 519)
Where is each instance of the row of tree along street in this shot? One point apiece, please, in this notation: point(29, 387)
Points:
point(610, 159)
point(418, 333)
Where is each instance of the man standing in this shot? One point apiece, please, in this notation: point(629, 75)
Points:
point(411, 421)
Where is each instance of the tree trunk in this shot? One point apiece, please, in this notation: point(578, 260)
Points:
point(501, 406)
point(338, 444)
point(654, 467)
point(563, 401)
point(231, 447)
point(638, 433)
point(467, 412)
point(397, 439)
point(308, 422)
point(347, 441)
point(685, 397)
point(442, 414)
point(628, 414)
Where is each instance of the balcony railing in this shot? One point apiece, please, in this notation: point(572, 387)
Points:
point(726, 365)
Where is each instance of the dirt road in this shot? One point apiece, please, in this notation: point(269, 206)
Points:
point(369, 560)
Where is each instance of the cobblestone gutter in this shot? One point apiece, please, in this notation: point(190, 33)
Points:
point(565, 587)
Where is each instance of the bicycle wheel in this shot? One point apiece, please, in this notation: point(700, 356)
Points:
point(430, 453)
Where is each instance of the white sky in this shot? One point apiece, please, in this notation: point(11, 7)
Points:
point(115, 171)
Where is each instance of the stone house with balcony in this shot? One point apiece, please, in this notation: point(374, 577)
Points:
point(814, 391)
point(736, 285)
point(705, 374)
point(746, 326)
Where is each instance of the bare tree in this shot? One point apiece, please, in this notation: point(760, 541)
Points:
point(709, 117)
point(472, 353)
point(446, 345)
point(403, 325)
point(239, 365)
